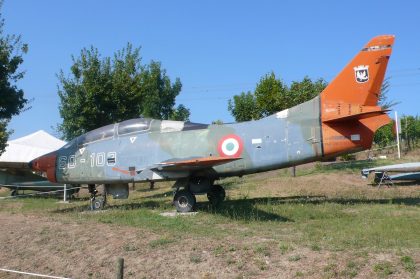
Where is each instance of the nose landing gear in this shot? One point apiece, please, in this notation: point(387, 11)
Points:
point(96, 202)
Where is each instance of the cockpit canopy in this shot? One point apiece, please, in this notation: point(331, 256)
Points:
point(134, 126)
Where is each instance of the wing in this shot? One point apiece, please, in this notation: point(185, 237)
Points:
point(174, 168)
point(14, 165)
point(193, 164)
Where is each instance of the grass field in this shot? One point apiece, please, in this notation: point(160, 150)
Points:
point(325, 223)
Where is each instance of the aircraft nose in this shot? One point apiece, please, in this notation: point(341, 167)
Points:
point(45, 163)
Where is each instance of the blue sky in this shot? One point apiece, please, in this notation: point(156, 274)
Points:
point(216, 48)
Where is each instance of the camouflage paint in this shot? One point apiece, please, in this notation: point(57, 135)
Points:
point(286, 138)
point(342, 119)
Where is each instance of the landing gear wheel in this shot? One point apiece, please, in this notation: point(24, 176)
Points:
point(216, 195)
point(184, 201)
point(13, 193)
point(97, 203)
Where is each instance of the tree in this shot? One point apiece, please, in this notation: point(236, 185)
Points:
point(217, 122)
point(410, 130)
point(102, 91)
point(383, 97)
point(181, 113)
point(271, 95)
point(243, 107)
point(305, 90)
point(12, 100)
point(385, 135)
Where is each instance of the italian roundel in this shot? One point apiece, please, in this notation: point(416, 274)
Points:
point(230, 146)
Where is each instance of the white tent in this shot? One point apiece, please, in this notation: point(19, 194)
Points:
point(25, 149)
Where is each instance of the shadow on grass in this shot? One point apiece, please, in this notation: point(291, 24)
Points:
point(246, 209)
point(319, 200)
point(126, 206)
point(241, 210)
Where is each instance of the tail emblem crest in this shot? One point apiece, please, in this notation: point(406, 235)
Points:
point(361, 73)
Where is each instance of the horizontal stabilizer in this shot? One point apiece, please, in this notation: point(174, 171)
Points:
point(357, 116)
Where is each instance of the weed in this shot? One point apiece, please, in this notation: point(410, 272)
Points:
point(219, 250)
point(331, 270)
point(351, 271)
point(240, 264)
point(315, 247)
point(409, 264)
point(383, 269)
point(294, 258)
point(261, 264)
point(128, 247)
point(230, 260)
point(299, 274)
point(284, 248)
point(262, 249)
point(195, 258)
point(160, 242)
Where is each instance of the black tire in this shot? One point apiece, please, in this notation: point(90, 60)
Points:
point(184, 201)
point(98, 203)
point(13, 193)
point(216, 195)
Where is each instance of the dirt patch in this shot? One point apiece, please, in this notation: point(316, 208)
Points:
point(83, 250)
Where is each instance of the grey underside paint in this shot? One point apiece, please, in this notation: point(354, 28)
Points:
point(406, 176)
point(284, 139)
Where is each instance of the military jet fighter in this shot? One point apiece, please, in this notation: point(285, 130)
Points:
point(342, 119)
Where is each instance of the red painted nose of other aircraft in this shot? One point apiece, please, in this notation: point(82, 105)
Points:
point(45, 163)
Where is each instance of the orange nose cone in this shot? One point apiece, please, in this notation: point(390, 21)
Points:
point(45, 163)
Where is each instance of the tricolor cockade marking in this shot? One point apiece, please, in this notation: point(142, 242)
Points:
point(230, 146)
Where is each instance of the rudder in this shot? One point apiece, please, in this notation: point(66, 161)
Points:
point(361, 80)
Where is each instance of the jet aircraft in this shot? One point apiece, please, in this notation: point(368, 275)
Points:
point(342, 119)
point(23, 179)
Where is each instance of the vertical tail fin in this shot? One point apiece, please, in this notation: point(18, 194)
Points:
point(360, 81)
point(350, 114)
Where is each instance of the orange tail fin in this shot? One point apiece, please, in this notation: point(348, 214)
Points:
point(361, 80)
point(349, 112)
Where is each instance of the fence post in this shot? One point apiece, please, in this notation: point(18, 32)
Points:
point(120, 268)
point(398, 134)
point(65, 193)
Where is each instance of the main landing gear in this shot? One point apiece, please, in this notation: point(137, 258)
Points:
point(96, 202)
point(186, 189)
